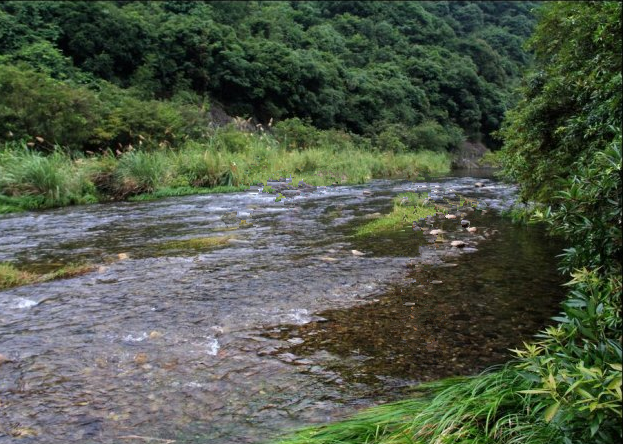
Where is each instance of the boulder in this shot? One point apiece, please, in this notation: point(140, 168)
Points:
point(457, 243)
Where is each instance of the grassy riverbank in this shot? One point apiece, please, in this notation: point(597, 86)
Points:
point(32, 180)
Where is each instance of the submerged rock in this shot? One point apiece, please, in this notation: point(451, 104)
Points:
point(3, 359)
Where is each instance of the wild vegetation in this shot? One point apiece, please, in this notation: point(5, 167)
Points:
point(419, 75)
point(121, 113)
point(31, 180)
point(408, 207)
point(562, 143)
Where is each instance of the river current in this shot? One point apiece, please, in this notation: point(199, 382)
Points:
point(280, 327)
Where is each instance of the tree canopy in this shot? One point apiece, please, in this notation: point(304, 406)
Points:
point(358, 66)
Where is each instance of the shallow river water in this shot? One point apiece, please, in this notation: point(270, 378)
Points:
point(283, 326)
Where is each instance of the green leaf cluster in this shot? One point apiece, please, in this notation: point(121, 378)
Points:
point(445, 68)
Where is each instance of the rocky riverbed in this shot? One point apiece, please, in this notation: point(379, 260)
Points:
point(290, 321)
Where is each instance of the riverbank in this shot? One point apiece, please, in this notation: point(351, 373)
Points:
point(30, 180)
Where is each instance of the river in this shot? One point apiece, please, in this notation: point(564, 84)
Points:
point(283, 326)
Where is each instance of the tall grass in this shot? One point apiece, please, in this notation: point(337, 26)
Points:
point(486, 409)
point(46, 181)
point(141, 172)
point(228, 158)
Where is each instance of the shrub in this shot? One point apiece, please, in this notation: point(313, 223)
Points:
point(296, 133)
point(34, 105)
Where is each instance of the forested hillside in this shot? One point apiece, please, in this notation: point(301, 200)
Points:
point(408, 75)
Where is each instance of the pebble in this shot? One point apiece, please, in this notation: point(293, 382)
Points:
point(458, 244)
point(450, 216)
point(435, 232)
point(140, 358)
point(155, 335)
point(357, 253)
point(296, 341)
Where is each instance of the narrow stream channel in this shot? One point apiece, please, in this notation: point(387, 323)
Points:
point(282, 327)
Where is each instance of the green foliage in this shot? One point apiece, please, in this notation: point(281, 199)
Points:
point(563, 144)
point(140, 172)
point(47, 181)
point(588, 212)
point(577, 363)
point(339, 64)
point(572, 99)
point(34, 105)
point(486, 409)
point(296, 133)
point(408, 207)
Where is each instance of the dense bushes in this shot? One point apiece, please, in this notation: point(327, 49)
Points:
point(571, 106)
point(338, 64)
point(47, 112)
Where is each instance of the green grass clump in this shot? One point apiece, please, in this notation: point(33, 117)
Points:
point(35, 180)
point(486, 409)
point(408, 207)
point(11, 276)
point(141, 172)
